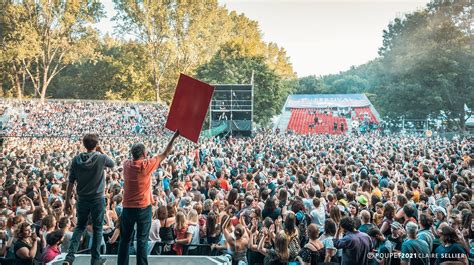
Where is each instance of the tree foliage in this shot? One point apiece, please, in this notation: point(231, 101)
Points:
point(425, 68)
point(428, 60)
point(178, 35)
point(51, 51)
point(41, 38)
point(232, 66)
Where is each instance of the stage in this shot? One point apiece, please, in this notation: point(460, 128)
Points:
point(158, 260)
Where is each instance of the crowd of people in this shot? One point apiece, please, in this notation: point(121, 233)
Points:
point(75, 118)
point(269, 199)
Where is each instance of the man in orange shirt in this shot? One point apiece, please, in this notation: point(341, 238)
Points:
point(137, 200)
point(220, 182)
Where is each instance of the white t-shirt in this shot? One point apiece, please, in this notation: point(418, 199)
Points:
point(155, 231)
point(194, 230)
point(66, 242)
point(318, 217)
point(29, 217)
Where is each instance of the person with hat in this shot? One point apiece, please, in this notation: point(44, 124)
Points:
point(397, 236)
point(414, 251)
point(363, 202)
point(440, 216)
point(26, 207)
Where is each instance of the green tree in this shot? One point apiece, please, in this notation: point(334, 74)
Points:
point(16, 36)
point(119, 74)
point(278, 61)
point(229, 66)
point(131, 79)
point(428, 59)
point(310, 85)
point(178, 35)
point(43, 37)
point(149, 22)
point(246, 35)
point(348, 84)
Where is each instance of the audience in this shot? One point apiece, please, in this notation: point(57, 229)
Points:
point(268, 199)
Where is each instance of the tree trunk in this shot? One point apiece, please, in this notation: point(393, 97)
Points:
point(157, 85)
point(38, 85)
point(462, 120)
point(43, 91)
point(18, 83)
point(45, 83)
point(156, 82)
point(18, 86)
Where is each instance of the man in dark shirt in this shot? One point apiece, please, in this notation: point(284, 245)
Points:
point(383, 247)
point(87, 170)
point(355, 245)
point(396, 237)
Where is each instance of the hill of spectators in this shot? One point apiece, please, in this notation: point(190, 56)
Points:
point(67, 118)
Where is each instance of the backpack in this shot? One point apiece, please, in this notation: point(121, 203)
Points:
point(303, 228)
point(294, 247)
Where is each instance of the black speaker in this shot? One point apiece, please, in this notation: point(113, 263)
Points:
point(232, 105)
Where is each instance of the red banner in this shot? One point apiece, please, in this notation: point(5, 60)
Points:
point(188, 110)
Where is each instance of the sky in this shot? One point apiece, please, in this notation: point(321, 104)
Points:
point(320, 36)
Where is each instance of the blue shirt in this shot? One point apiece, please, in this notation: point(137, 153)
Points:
point(166, 183)
point(384, 182)
point(419, 248)
point(355, 247)
point(450, 253)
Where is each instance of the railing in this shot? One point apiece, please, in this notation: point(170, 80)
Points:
point(82, 101)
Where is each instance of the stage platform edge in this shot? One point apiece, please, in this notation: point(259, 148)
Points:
point(84, 259)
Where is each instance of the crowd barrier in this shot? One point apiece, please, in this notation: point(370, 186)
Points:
point(156, 260)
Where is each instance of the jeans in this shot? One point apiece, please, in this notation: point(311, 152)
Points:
point(96, 209)
point(142, 218)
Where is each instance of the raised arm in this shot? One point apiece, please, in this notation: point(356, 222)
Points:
point(227, 235)
point(41, 203)
point(252, 233)
point(70, 187)
point(261, 247)
point(26, 253)
point(246, 234)
point(169, 147)
point(32, 206)
point(108, 161)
